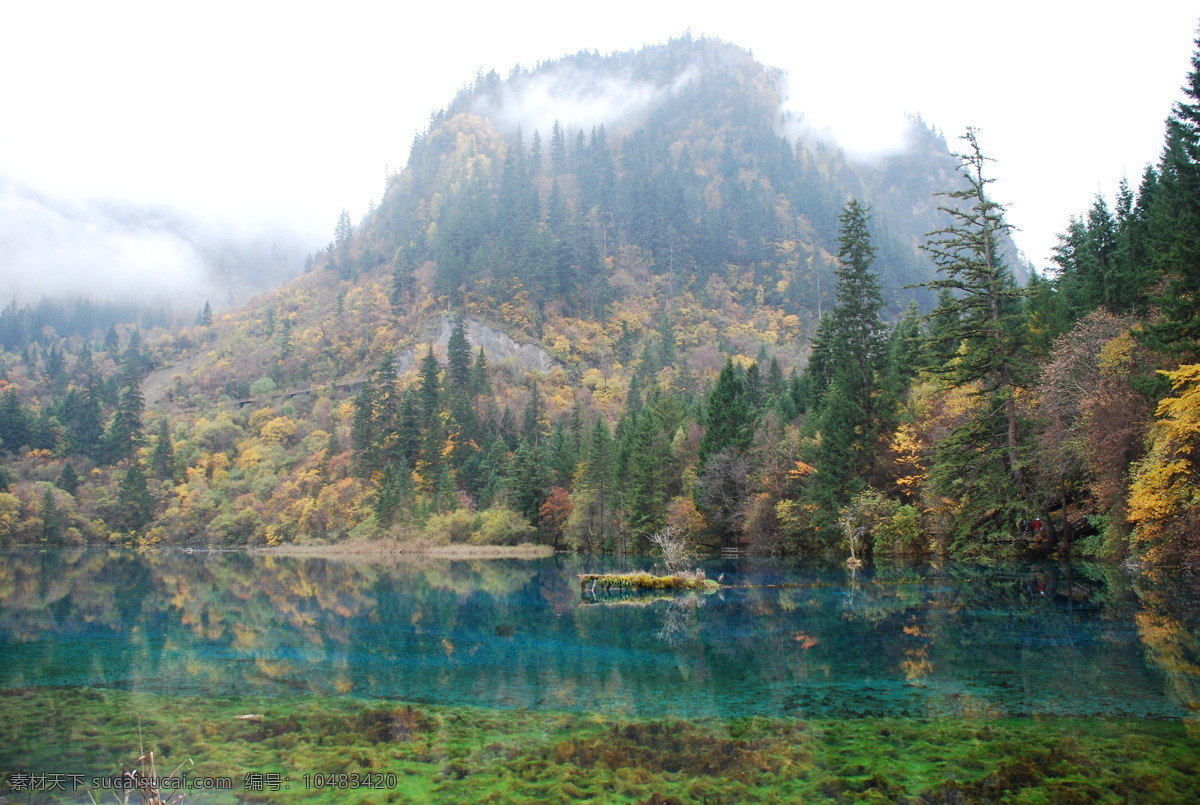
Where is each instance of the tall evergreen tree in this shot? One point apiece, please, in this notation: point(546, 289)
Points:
point(729, 419)
point(529, 481)
point(850, 413)
point(1175, 227)
point(52, 524)
point(430, 386)
point(162, 461)
point(124, 433)
point(137, 506)
point(458, 359)
point(984, 317)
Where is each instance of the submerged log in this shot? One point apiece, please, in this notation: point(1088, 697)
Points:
point(645, 581)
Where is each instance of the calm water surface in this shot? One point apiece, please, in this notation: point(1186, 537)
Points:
point(782, 639)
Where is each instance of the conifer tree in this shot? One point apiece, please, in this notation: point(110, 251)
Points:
point(162, 462)
point(458, 359)
point(529, 481)
point(982, 314)
point(52, 525)
point(137, 506)
point(480, 383)
point(646, 474)
point(729, 419)
point(850, 412)
point(1175, 228)
point(68, 479)
point(124, 433)
point(430, 387)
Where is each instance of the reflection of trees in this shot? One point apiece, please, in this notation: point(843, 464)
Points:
point(1169, 626)
point(1017, 638)
point(677, 618)
point(227, 619)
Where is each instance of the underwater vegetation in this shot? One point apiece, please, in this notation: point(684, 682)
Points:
point(339, 749)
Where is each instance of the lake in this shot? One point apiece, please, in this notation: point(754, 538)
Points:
point(424, 679)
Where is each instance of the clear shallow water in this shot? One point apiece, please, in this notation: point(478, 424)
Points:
point(784, 640)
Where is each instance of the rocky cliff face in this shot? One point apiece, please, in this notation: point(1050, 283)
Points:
point(497, 345)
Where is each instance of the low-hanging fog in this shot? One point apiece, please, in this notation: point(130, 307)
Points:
point(57, 247)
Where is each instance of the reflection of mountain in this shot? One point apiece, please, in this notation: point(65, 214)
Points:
point(905, 641)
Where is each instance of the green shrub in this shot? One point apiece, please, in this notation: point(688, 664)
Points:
point(881, 525)
point(501, 526)
point(451, 528)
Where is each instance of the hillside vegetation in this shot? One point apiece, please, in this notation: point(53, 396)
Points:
point(664, 303)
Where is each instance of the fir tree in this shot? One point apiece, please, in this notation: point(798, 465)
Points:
point(137, 506)
point(458, 359)
point(1175, 227)
point(480, 383)
point(124, 433)
point(529, 481)
point(849, 411)
point(68, 479)
point(729, 419)
point(162, 461)
point(983, 315)
point(52, 525)
point(645, 477)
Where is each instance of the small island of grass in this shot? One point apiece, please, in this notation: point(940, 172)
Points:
point(683, 580)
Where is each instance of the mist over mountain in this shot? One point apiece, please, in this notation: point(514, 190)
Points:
point(682, 152)
point(601, 285)
point(115, 250)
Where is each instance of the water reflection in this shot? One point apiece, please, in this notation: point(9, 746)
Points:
point(896, 639)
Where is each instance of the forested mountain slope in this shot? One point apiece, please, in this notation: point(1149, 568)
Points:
point(606, 296)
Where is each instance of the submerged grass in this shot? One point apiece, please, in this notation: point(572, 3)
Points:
point(459, 754)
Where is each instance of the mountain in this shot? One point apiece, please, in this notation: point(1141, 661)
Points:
point(611, 230)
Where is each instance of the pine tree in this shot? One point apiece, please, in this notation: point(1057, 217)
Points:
point(162, 461)
point(85, 421)
point(68, 479)
point(563, 456)
point(1175, 227)
point(430, 387)
point(137, 506)
point(850, 412)
point(729, 419)
point(529, 481)
point(645, 477)
point(458, 359)
point(124, 433)
point(480, 383)
point(52, 525)
point(16, 424)
point(533, 430)
point(112, 342)
point(983, 316)
point(558, 150)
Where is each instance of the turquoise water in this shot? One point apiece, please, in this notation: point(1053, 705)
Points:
point(782, 639)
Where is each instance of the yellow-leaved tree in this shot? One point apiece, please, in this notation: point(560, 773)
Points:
point(1164, 498)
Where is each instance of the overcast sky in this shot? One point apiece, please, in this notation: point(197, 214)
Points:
point(273, 114)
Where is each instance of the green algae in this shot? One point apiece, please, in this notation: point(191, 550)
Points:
point(340, 749)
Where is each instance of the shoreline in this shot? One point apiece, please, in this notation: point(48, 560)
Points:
point(388, 549)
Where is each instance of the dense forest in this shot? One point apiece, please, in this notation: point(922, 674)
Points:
point(689, 313)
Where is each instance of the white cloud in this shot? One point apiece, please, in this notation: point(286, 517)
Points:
point(571, 97)
point(55, 247)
